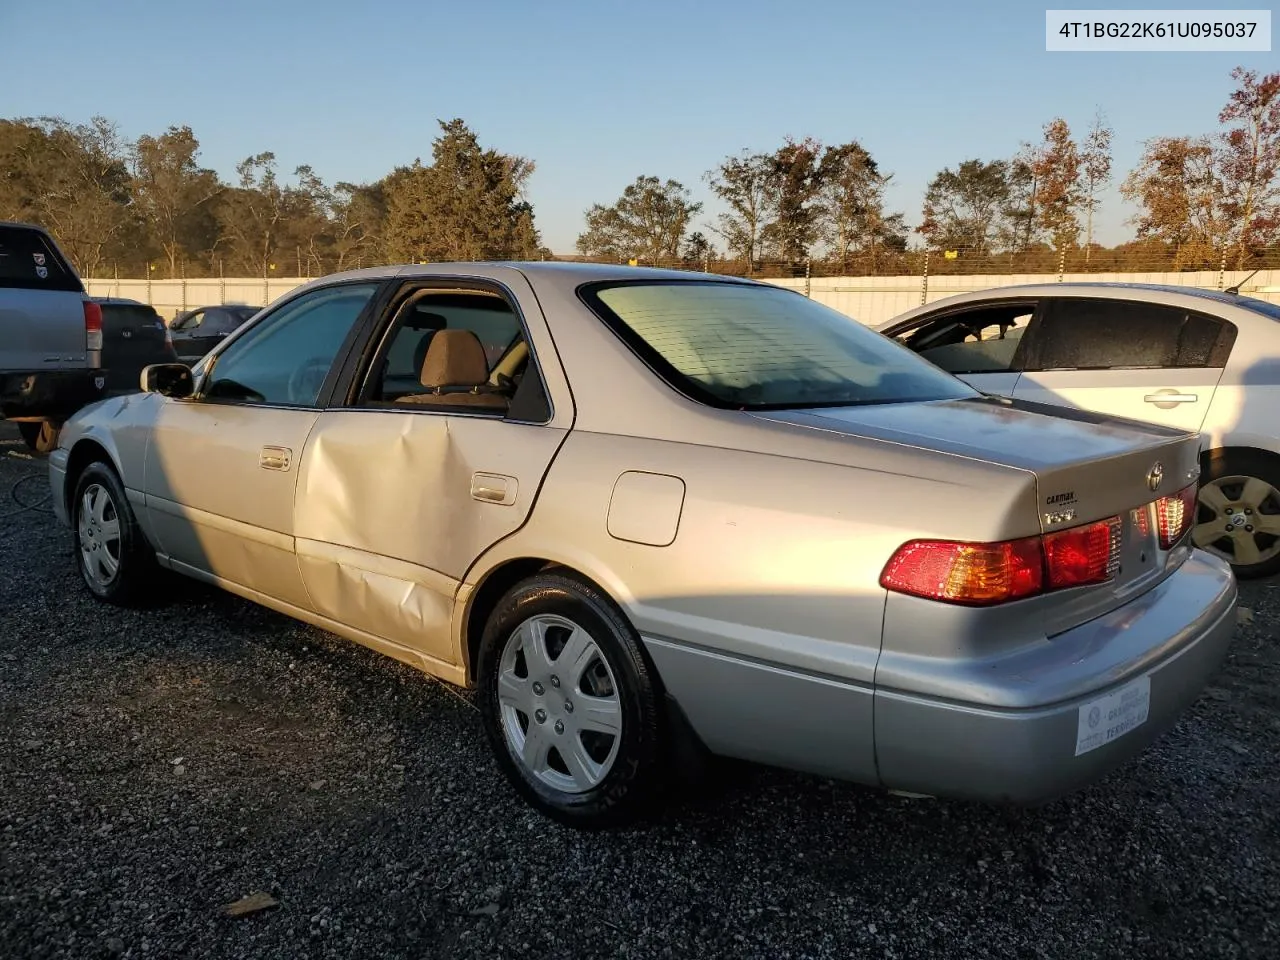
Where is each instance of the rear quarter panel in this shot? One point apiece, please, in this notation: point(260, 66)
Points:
point(1246, 406)
point(757, 591)
point(773, 558)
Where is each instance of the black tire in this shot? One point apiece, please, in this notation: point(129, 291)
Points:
point(134, 577)
point(41, 435)
point(638, 768)
point(1247, 463)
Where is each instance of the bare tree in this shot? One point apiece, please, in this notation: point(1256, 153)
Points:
point(1095, 166)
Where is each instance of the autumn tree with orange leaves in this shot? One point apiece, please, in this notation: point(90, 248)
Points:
point(1058, 191)
point(1249, 163)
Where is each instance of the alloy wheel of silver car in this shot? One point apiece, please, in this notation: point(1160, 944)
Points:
point(1239, 520)
point(99, 535)
point(561, 715)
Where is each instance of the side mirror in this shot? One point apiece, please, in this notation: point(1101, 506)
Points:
point(168, 380)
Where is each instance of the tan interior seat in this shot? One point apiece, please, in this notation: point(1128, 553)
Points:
point(456, 374)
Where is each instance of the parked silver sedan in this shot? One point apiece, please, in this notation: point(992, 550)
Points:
point(642, 509)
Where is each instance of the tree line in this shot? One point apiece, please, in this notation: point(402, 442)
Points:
point(1201, 200)
point(147, 206)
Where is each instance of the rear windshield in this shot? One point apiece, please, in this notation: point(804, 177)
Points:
point(29, 262)
point(132, 312)
point(763, 348)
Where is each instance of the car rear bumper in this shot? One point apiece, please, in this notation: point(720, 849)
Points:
point(49, 394)
point(1031, 754)
point(1169, 641)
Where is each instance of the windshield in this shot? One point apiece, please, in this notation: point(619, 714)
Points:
point(763, 348)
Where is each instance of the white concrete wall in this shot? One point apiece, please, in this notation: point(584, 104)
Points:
point(875, 300)
point(872, 300)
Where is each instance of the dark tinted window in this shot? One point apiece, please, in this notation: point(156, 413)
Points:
point(133, 313)
point(219, 321)
point(1103, 334)
point(28, 261)
point(285, 358)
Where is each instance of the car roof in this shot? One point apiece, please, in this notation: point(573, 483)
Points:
point(560, 272)
point(119, 302)
point(1156, 293)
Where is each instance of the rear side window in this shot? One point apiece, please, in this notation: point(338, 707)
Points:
point(1082, 334)
point(487, 316)
point(219, 322)
point(28, 261)
point(983, 340)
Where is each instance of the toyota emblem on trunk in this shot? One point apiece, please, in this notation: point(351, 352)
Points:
point(1154, 477)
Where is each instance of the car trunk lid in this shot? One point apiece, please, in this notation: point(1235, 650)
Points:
point(1087, 468)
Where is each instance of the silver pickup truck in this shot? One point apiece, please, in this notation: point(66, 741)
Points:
point(50, 336)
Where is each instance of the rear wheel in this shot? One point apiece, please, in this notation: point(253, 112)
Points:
point(41, 435)
point(114, 558)
point(1238, 516)
point(570, 703)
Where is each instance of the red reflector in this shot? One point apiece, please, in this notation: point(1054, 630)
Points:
point(970, 573)
point(1175, 515)
point(1083, 555)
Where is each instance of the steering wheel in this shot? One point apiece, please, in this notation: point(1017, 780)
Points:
point(306, 381)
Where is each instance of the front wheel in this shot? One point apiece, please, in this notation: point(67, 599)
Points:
point(114, 558)
point(1238, 517)
point(570, 703)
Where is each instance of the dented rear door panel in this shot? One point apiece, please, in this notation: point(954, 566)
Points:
point(394, 506)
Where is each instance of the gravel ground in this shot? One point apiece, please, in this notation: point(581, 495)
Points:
point(157, 766)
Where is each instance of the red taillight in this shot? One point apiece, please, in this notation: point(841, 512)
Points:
point(1083, 555)
point(980, 574)
point(1175, 515)
point(92, 325)
point(972, 573)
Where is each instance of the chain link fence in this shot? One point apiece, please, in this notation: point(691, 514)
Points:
point(870, 288)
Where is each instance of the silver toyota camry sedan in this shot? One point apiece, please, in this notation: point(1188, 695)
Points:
point(642, 509)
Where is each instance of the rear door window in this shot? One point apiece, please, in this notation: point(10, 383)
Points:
point(489, 317)
point(220, 321)
point(28, 261)
point(1082, 334)
point(981, 340)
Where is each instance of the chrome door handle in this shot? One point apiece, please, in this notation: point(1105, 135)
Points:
point(275, 458)
point(1171, 398)
point(494, 488)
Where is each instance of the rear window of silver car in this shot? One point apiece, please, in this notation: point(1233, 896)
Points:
point(752, 347)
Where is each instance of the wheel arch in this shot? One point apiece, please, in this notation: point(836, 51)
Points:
point(84, 451)
point(494, 583)
point(1223, 450)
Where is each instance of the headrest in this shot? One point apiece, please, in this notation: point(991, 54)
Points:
point(455, 359)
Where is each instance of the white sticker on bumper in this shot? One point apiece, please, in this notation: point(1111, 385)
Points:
point(1106, 718)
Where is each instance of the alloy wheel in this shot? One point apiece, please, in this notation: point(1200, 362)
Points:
point(1238, 519)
